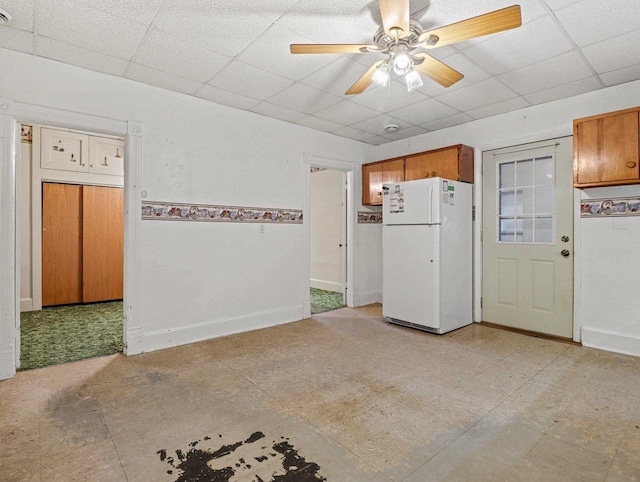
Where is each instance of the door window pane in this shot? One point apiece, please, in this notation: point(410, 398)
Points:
point(526, 201)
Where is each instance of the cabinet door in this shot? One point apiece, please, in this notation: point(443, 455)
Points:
point(372, 183)
point(607, 149)
point(61, 244)
point(103, 232)
point(440, 163)
point(65, 151)
point(106, 156)
point(393, 171)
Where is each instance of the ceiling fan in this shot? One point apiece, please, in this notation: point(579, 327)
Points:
point(400, 36)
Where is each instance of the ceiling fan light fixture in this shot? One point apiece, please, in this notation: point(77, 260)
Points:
point(401, 61)
point(413, 80)
point(381, 75)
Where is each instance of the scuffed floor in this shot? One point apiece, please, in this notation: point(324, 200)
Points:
point(344, 396)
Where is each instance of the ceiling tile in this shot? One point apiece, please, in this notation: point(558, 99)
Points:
point(224, 97)
point(515, 103)
point(149, 76)
point(334, 21)
point(304, 99)
point(164, 52)
point(391, 97)
point(458, 61)
point(318, 124)
point(86, 27)
point(270, 51)
point(592, 21)
point(376, 140)
point(336, 77)
point(225, 27)
point(564, 91)
point(141, 11)
point(22, 12)
point(347, 113)
point(423, 112)
point(375, 126)
point(533, 42)
point(558, 4)
point(452, 120)
point(352, 133)
point(14, 39)
point(621, 76)
point(277, 112)
point(73, 55)
point(404, 133)
point(615, 53)
point(549, 73)
point(250, 81)
point(487, 92)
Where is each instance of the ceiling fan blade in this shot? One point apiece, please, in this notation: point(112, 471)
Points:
point(365, 81)
point(436, 70)
point(329, 48)
point(395, 17)
point(492, 22)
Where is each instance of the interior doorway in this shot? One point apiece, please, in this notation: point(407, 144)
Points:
point(527, 237)
point(71, 244)
point(328, 252)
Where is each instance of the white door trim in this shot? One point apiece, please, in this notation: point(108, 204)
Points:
point(338, 165)
point(12, 113)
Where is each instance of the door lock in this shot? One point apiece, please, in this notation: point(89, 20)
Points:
point(565, 239)
point(565, 253)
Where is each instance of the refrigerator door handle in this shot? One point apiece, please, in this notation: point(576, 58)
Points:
point(430, 204)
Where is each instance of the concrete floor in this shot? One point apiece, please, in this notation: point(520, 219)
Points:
point(341, 397)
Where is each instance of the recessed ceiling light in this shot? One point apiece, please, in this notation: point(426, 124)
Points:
point(391, 128)
point(5, 17)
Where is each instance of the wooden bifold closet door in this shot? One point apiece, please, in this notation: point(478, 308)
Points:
point(82, 243)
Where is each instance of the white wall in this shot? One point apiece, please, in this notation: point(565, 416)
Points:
point(199, 280)
point(605, 324)
point(327, 219)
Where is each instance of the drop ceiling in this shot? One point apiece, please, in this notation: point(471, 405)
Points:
point(236, 52)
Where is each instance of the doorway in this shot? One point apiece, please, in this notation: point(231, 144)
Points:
point(527, 237)
point(327, 218)
point(71, 244)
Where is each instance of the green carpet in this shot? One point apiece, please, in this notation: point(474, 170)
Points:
point(61, 334)
point(322, 301)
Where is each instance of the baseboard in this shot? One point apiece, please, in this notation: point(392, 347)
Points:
point(7, 362)
point(26, 304)
point(133, 342)
point(326, 285)
point(361, 299)
point(183, 335)
point(611, 341)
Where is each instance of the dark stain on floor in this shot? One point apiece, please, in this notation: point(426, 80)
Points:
point(193, 465)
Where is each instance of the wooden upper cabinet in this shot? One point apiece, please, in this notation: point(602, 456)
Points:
point(605, 149)
point(376, 174)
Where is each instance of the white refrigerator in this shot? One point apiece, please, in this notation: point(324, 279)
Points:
point(427, 254)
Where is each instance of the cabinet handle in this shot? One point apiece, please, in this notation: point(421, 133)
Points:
point(433, 174)
point(427, 175)
point(631, 164)
point(379, 193)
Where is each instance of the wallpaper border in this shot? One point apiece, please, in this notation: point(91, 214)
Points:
point(165, 211)
point(368, 217)
point(606, 207)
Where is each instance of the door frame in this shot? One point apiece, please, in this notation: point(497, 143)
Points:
point(479, 225)
point(13, 113)
point(349, 168)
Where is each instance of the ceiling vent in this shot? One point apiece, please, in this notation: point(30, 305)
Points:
point(5, 17)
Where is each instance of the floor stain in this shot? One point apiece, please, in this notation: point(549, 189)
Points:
point(194, 464)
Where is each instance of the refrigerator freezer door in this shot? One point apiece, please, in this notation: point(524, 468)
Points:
point(413, 202)
point(411, 275)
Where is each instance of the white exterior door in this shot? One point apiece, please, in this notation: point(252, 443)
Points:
point(527, 237)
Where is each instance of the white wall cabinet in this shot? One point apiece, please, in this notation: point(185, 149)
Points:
point(70, 151)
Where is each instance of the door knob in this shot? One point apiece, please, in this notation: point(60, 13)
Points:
point(565, 239)
point(565, 253)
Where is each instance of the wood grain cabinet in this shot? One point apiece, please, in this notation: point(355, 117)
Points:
point(605, 149)
point(82, 243)
point(453, 162)
point(375, 174)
